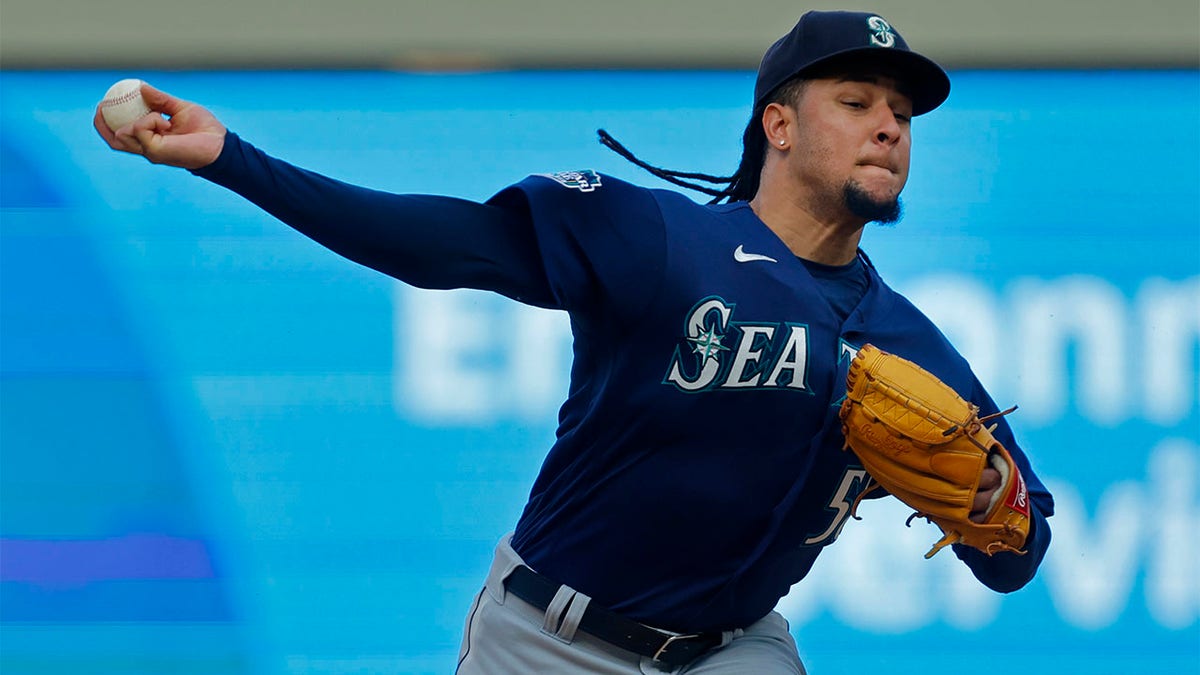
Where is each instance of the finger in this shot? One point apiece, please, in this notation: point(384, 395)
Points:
point(150, 131)
point(161, 101)
point(146, 127)
point(130, 144)
point(152, 121)
point(989, 479)
point(981, 502)
point(127, 141)
point(102, 129)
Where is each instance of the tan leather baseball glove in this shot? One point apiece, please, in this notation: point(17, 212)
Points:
point(924, 444)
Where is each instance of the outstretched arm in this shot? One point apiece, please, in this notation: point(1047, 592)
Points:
point(426, 241)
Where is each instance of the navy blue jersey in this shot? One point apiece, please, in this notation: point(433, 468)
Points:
point(698, 469)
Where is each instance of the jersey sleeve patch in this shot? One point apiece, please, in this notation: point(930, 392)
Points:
point(585, 180)
point(602, 249)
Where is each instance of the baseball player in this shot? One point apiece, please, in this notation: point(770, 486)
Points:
point(699, 467)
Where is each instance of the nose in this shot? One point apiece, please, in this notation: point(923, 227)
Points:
point(888, 131)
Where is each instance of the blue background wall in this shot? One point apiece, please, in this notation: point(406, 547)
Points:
point(225, 450)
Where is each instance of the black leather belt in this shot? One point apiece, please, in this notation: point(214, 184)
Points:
point(603, 623)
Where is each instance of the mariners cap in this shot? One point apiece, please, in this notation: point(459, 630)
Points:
point(823, 39)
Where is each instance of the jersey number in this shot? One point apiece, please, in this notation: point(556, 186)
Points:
point(852, 482)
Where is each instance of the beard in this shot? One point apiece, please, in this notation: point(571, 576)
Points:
point(885, 211)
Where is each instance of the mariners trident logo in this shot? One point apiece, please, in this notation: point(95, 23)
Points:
point(718, 352)
point(585, 180)
point(881, 32)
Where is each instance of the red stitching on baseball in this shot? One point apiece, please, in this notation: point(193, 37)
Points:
point(123, 98)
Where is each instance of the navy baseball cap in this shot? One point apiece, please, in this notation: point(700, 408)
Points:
point(827, 39)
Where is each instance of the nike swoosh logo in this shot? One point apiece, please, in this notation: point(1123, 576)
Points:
point(740, 255)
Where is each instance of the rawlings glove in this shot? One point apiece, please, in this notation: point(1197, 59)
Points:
point(924, 444)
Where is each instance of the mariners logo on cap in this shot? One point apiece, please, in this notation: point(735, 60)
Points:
point(585, 180)
point(881, 32)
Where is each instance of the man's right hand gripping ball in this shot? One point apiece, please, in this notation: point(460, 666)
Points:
point(919, 440)
point(175, 132)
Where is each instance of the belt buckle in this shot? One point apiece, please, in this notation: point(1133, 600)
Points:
point(670, 641)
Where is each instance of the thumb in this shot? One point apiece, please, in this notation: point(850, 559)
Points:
point(161, 101)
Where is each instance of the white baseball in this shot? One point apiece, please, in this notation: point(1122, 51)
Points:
point(123, 103)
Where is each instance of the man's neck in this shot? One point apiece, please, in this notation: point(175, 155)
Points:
point(827, 238)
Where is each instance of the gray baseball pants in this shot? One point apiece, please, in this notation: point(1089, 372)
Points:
point(506, 635)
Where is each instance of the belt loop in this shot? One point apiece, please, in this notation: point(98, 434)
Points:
point(503, 563)
point(554, 611)
point(728, 636)
point(566, 611)
point(570, 622)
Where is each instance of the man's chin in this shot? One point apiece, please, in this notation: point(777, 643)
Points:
point(884, 210)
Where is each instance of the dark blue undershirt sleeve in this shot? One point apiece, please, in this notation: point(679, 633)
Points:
point(426, 241)
point(1008, 572)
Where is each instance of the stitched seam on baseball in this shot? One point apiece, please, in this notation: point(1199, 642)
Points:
point(123, 98)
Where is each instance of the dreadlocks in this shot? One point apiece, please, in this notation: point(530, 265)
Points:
point(743, 184)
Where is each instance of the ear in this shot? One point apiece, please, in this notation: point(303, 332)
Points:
point(777, 121)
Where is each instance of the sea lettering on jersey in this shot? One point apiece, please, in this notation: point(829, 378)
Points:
point(718, 352)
